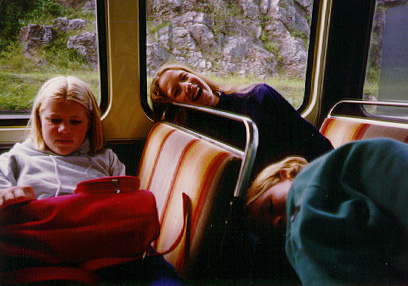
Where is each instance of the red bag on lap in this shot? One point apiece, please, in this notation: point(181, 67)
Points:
point(107, 217)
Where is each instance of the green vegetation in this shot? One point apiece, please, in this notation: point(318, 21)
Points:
point(21, 76)
point(12, 12)
point(153, 26)
point(291, 88)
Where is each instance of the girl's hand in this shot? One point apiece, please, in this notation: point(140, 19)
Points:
point(16, 194)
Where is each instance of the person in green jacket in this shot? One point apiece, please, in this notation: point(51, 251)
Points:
point(345, 213)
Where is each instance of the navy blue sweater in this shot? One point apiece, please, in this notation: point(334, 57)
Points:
point(282, 130)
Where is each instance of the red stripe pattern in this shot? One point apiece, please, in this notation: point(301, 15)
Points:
point(175, 162)
point(341, 131)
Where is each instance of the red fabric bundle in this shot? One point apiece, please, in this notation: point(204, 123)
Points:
point(107, 217)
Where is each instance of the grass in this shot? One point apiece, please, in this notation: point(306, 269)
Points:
point(21, 77)
point(290, 88)
point(17, 91)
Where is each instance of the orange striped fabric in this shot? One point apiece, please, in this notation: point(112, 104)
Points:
point(173, 163)
point(163, 149)
point(154, 143)
point(341, 131)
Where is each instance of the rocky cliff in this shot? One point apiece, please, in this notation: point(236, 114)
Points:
point(246, 37)
point(243, 37)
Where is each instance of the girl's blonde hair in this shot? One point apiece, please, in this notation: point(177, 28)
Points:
point(73, 89)
point(272, 175)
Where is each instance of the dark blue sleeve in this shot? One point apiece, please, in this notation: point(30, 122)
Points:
point(348, 216)
point(282, 130)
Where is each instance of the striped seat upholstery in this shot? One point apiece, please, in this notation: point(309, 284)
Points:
point(343, 130)
point(176, 162)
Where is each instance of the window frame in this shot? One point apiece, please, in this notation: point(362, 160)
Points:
point(316, 10)
point(347, 52)
point(142, 60)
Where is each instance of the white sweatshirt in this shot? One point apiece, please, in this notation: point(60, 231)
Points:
point(51, 174)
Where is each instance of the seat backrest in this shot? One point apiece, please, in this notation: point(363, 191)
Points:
point(174, 162)
point(341, 128)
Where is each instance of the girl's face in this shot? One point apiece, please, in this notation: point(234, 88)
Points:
point(184, 87)
point(64, 125)
point(269, 209)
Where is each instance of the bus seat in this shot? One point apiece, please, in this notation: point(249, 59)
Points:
point(174, 163)
point(347, 122)
point(177, 161)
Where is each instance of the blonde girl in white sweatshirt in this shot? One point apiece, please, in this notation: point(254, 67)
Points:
point(64, 146)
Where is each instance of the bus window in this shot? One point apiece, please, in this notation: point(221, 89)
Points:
point(43, 39)
point(387, 70)
point(233, 42)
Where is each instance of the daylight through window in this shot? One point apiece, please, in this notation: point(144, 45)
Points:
point(40, 39)
point(233, 43)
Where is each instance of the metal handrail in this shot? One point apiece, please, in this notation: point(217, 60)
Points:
point(340, 107)
point(251, 141)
